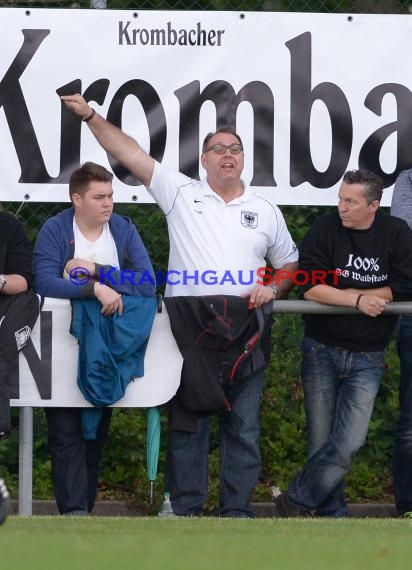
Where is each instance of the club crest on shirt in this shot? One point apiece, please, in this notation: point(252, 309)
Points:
point(249, 219)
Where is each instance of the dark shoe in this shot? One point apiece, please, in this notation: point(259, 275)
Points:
point(286, 509)
point(4, 502)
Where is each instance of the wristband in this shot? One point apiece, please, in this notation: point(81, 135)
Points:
point(87, 119)
point(357, 301)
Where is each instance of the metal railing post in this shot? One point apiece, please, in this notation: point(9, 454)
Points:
point(26, 461)
point(98, 4)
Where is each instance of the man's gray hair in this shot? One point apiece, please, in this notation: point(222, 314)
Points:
point(371, 182)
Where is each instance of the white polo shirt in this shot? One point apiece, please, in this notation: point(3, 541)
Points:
point(216, 248)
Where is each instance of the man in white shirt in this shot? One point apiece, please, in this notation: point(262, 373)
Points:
point(217, 227)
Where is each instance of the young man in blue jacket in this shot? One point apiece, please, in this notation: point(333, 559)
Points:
point(84, 253)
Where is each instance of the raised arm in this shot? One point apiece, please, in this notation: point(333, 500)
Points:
point(114, 141)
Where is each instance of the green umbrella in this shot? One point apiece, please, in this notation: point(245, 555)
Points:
point(152, 446)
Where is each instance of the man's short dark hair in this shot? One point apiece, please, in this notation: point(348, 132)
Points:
point(371, 182)
point(88, 172)
point(226, 129)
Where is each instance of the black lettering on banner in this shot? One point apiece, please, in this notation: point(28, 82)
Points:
point(222, 94)
point(40, 367)
point(302, 99)
point(226, 101)
point(156, 122)
point(371, 149)
point(168, 36)
point(71, 125)
point(17, 115)
point(124, 34)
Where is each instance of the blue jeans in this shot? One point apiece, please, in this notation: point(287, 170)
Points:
point(340, 388)
point(187, 456)
point(402, 458)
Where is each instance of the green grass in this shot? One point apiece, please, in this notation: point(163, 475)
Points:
point(58, 543)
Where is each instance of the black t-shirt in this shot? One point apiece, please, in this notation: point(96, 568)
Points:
point(363, 259)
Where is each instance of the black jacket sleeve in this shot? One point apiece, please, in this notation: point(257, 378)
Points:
point(15, 249)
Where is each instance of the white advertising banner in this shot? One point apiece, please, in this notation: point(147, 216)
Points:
point(47, 373)
point(311, 95)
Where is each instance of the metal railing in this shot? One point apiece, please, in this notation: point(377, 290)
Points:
point(307, 307)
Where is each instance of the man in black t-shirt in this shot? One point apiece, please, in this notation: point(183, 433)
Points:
point(366, 257)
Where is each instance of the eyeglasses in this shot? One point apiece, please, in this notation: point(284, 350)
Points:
point(235, 148)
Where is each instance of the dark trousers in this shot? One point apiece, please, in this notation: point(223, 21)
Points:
point(402, 457)
point(187, 460)
point(75, 461)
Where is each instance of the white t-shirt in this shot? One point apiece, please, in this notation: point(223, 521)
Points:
point(103, 250)
point(211, 241)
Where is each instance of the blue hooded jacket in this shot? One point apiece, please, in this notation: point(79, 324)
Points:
point(55, 246)
point(105, 366)
point(111, 352)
